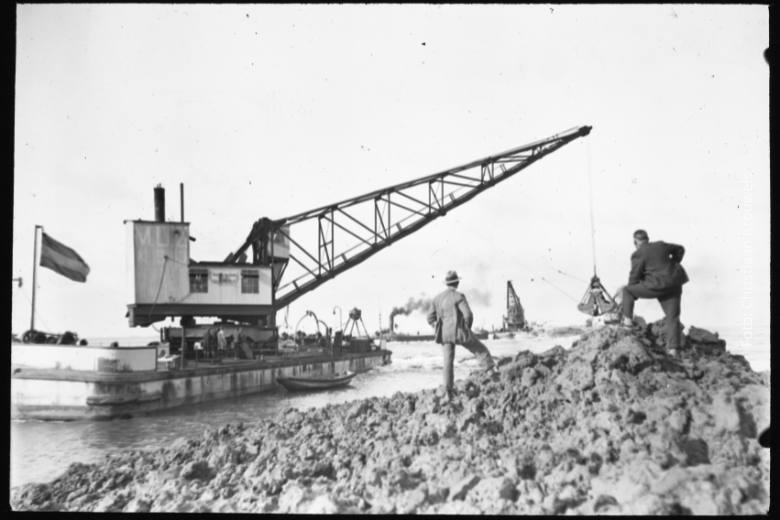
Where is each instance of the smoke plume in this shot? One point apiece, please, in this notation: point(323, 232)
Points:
point(423, 304)
point(413, 304)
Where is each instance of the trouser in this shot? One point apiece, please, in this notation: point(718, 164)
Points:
point(474, 346)
point(670, 303)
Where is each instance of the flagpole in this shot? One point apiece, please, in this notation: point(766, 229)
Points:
point(35, 271)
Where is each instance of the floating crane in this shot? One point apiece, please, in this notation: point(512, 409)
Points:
point(327, 241)
point(515, 316)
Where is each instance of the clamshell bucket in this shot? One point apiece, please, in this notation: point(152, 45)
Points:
point(596, 300)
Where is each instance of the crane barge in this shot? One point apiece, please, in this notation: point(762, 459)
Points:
point(274, 266)
point(282, 268)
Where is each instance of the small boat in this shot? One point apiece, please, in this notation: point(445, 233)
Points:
point(315, 382)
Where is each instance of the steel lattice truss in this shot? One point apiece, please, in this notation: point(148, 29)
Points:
point(514, 311)
point(341, 235)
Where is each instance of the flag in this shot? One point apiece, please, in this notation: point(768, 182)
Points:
point(61, 259)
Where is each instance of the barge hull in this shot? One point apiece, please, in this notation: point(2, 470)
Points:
point(62, 395)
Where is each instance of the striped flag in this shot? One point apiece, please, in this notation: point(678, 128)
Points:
point(61, 259)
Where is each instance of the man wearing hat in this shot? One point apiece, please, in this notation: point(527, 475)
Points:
point(656, 273)
point(452, 319)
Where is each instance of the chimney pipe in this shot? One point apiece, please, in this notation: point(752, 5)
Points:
point(159, 203)
point(181, 199)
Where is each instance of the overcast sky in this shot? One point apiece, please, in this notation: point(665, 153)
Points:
point(272, 110)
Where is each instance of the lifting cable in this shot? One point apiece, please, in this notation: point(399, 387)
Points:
point(559, 289)
point(596, 300)
point(570, 275)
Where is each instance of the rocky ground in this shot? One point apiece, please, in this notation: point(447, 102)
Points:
point(611, 425)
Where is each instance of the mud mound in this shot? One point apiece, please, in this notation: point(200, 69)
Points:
point(611, 425)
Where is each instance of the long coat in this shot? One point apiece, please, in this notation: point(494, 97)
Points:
point(656, 265)
point(451, 317)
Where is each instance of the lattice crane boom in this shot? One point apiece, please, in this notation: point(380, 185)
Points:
point(364, 225)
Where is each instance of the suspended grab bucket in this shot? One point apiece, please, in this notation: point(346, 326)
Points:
point(596, 300)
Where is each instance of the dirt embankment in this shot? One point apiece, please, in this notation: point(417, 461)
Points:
point(612, 425)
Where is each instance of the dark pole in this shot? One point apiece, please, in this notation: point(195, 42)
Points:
point(181, 199)
point(35, 272)
point(159, 203)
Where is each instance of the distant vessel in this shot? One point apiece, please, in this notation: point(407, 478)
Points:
point(478, 334)
point(514, 321)
point(394, 336)
point(391, 335)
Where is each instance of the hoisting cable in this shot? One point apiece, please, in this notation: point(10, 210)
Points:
point(596, 300)
point(552, 268)
point(570, 275)
point(558, 289)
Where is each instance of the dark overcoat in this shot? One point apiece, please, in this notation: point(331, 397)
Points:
point(656, 265)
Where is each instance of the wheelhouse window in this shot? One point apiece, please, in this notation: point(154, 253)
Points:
point(199, 281)
point(250, 282)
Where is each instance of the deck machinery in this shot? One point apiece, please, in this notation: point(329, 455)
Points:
point(245, 291)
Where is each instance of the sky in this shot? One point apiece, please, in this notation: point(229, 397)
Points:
point(270, 110)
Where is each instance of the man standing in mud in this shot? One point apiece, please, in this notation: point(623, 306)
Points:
point(451, 318)
point(656, 273)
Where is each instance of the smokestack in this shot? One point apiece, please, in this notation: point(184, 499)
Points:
point(181, 199)
point(159, 203)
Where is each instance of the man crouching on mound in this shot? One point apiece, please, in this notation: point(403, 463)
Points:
point(451, 318)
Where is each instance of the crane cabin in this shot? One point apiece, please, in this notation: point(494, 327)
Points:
point(164, 282)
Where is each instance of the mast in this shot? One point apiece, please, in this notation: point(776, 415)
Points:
point(35, 272)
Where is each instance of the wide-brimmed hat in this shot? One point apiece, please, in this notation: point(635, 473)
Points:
point(451, 277)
